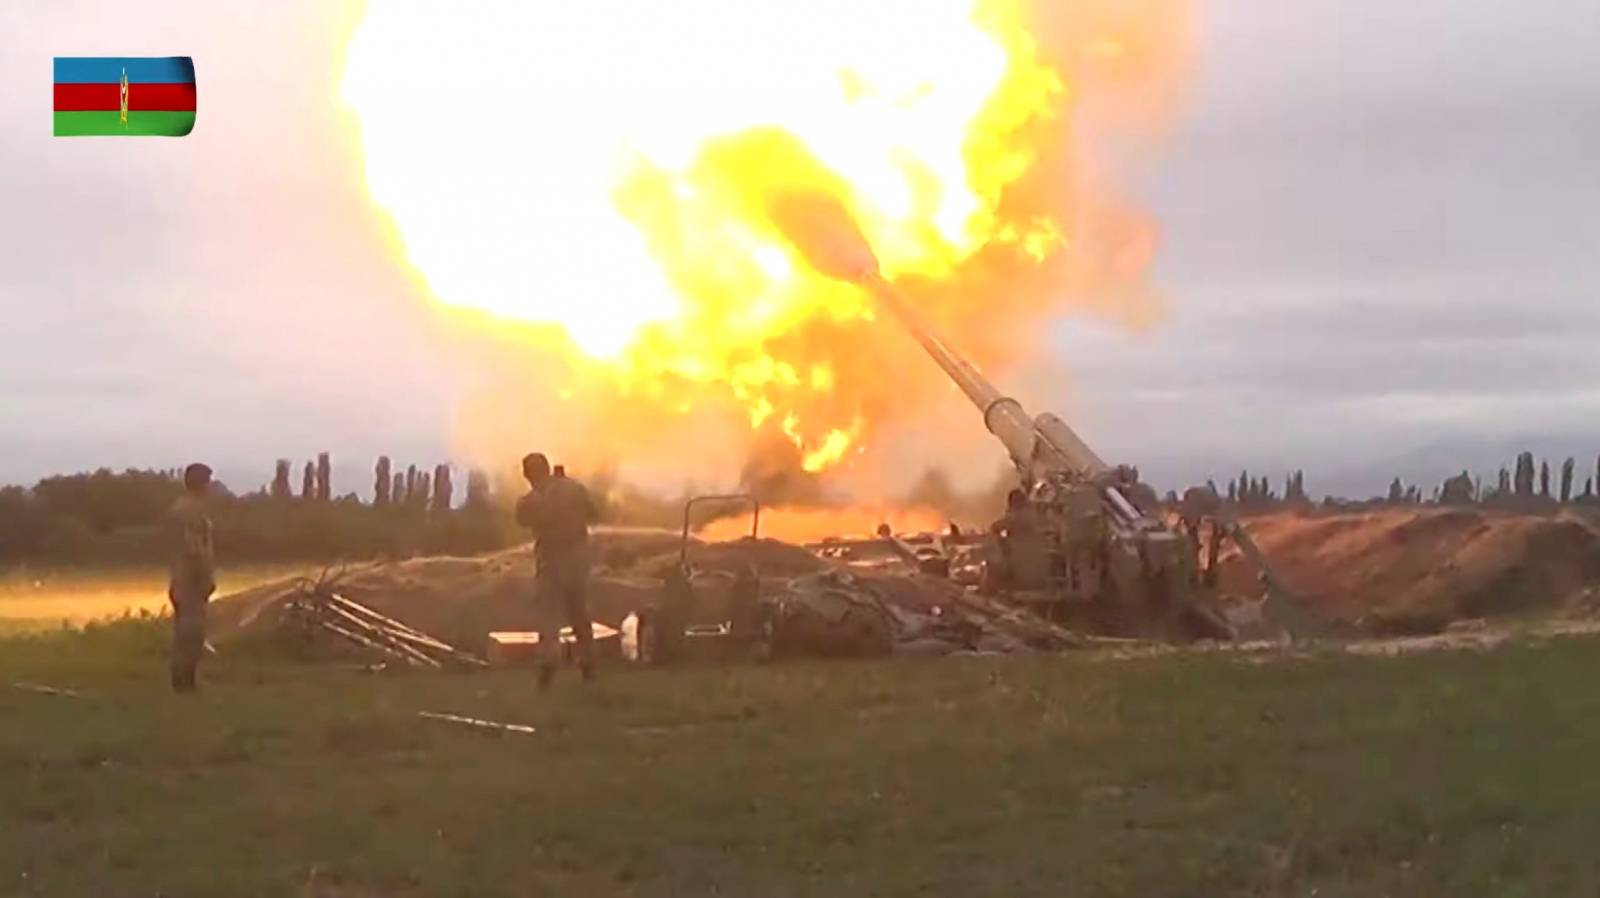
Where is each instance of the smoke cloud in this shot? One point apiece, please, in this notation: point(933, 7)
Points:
point(1061, 239)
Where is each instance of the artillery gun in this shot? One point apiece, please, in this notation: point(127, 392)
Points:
point(1084, 542)
point(1079, 544)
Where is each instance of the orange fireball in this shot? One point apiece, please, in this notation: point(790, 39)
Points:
point(603, 167)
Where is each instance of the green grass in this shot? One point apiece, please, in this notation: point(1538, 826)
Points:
point(1203, 775)
point(42, 598)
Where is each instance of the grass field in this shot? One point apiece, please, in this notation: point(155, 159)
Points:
point(1439, 774)
point(43, 598)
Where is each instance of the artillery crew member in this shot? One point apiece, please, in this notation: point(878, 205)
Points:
point(558, 511)
point(1016, 558)
point(1018, 523)
point(193, 575)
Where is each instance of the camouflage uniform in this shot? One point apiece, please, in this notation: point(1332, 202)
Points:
point(193, 579)
point(559, 511)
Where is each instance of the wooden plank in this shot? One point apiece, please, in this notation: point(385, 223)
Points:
point(404, 652)
point(478, 723)
point(389, 622)
point(41, 689)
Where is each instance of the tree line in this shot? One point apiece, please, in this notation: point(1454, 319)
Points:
point(1527, 484)
point(110, 517)
point(107, 517)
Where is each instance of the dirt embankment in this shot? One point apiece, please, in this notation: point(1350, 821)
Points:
point(461, 600)
point(1414, 570)
point(1394, 570)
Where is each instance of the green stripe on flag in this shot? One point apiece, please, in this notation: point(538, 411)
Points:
point(141, 123)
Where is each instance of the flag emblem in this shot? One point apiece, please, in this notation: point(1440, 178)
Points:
point(124, 95)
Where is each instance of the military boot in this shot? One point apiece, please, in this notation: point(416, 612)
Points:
point(183, 679)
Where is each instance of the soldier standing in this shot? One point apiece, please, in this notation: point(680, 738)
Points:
point(1009, 538)
point(558, 511)
point(193, 575)
point(1017, 523)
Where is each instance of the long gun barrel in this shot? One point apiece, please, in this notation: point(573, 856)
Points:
point(1041, 447)
point(1035, 445)
point(1044, 449)
point(1147, 564)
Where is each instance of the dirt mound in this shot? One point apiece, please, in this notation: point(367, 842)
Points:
point(768, 556)
point(460, 600)
point(1415, 570)
point(628, 548)
point(1395, 571)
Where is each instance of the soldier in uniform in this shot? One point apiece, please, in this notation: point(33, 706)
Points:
point(193, 575)
point(1012, 538)
point(558, 511)
point(1017, 523)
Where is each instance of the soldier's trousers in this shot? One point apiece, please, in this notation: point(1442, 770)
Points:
point(189, 596)
point(561, 596)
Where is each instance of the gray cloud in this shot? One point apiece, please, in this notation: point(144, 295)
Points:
point(1380, 223)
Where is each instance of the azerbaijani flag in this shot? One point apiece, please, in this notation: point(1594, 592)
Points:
point(123, 95)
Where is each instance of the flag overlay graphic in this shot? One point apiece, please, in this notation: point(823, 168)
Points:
point(124, 95)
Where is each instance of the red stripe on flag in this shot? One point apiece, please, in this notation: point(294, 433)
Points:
point(108, 97)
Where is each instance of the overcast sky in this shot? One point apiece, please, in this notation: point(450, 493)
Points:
point(1380, 231)
point(1381, 228)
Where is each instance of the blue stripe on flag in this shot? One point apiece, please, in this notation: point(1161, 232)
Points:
point(108, 69)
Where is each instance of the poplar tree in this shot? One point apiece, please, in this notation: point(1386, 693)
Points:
point(442, 489)
point(324, 477)
point(280, 480)
point(380, 482)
